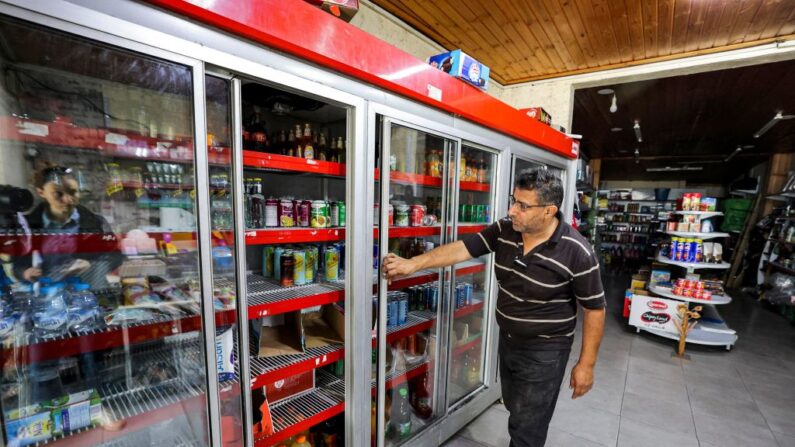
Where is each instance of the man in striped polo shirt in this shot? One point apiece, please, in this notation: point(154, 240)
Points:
point(544, 268)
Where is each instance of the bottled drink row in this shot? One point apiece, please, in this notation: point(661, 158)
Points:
point(289, 212)
point(472, 167)
point(299, 141)
point(300, 265)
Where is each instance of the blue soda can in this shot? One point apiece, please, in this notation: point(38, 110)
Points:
point(672, 249)
point(433, 298)
point(375, 256)
point(693, 249)
point(403, 307)
point(391, 311)
point(468, 288)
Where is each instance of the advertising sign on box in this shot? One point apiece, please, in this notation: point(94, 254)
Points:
point(653, 313)
point(462, 66)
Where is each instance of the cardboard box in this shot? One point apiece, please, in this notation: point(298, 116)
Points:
point(344, 9)
point(639, 282)
point(283, 389)
point(462, 66)
point(302, 331)
point(538, 113)
point(41, 421)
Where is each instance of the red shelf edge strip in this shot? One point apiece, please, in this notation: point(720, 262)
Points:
point(253, 159)
point(284, 235)
point(297, 368)
point(299, 427)
point(262, 310)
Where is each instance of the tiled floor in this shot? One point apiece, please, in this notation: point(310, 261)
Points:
point(644, 397)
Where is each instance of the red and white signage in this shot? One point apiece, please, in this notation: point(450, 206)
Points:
point(653, 313)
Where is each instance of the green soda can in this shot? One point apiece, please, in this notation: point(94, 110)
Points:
point(332, 263)
point(267, 261)
point(341, 212)
point(480, 212)
point(310, 266)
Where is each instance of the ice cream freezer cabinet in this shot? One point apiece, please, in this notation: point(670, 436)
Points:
point(195, 223)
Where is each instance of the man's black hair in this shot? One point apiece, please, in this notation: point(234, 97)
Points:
point(547, 185)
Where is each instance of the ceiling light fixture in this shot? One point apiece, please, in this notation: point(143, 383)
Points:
point(614, 106)
point(638, 135)
point(616, 129)
point(605, 91)
point(670, 169)
point(637, 156)
point(779, 117)
point(737, 151)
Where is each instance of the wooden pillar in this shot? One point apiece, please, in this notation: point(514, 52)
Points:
point(596, 171)
point(778, 171)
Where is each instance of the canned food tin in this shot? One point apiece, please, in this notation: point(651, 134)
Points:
point(332, 263)
point(678, 290)
point(286, 214)
point(319, 213)
point(271, 213)
point(706, 295)
point(299, 267)
point(304, 213)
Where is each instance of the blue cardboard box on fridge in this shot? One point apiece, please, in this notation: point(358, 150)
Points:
point(462, 66)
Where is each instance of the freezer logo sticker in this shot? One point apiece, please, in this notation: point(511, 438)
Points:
point(656, 305)
point(651, 317)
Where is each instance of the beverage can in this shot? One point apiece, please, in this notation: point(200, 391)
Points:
point(391, 211)
point(315, 260)
point(277, 263)
point(309, 268)
point(693, 247)
point(376, 253)
point(342, 214)
point(335, 214)
point(391, 311)
point(304, 213)
point(402, 216)
point(271, 213)
point(299, 267)
point(332, 263)
point(403, 307)
point(672, 249)
point(267, 261)
point(319, 217)
point(470, 289)
point(287, 267)
point(286, 214)
point(417, 215)
point(699, 252)
point(459, 296)
point(432, 298)
point(328, 215)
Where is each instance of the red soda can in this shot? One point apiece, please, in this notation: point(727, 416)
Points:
point(416, 216)
point(678, 290)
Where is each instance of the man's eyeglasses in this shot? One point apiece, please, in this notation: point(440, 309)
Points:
point(54, 173)
point(522, 206)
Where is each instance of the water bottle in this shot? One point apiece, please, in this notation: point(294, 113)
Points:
point(22, 299)
point(50, 314)
point(83, 310)
point(7, 319)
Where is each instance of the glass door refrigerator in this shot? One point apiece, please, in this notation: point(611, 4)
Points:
point(104, 280)
point(295, 215)
point(425, 321)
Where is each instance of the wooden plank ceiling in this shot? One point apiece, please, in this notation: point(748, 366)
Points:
point(525, 40)
point(698, 119)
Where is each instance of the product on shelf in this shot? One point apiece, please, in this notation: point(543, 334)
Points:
point(691, 289)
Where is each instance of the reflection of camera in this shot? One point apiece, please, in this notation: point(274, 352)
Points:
point(14, 200)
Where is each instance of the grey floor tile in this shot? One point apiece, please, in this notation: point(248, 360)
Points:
point(655, 388)
point(724, 433)
point(779, 415)
point(633, 433)
point(676, 417)
point(558, 438)
point(669, 369)
point(729, 386)
point(460, 441)
point(784, 440)
point(585, 422)
point(726, 407)
point(490, 428)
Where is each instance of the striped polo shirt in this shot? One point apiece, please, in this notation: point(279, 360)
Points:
point(539, 291)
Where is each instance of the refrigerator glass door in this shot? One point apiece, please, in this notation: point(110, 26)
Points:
point(411, 212)
point(471, 281)
point(101, 303)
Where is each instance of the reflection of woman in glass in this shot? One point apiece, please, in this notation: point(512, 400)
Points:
point(76, 242)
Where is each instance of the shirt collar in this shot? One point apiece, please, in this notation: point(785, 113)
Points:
point(49, 223)
point(555, 238)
